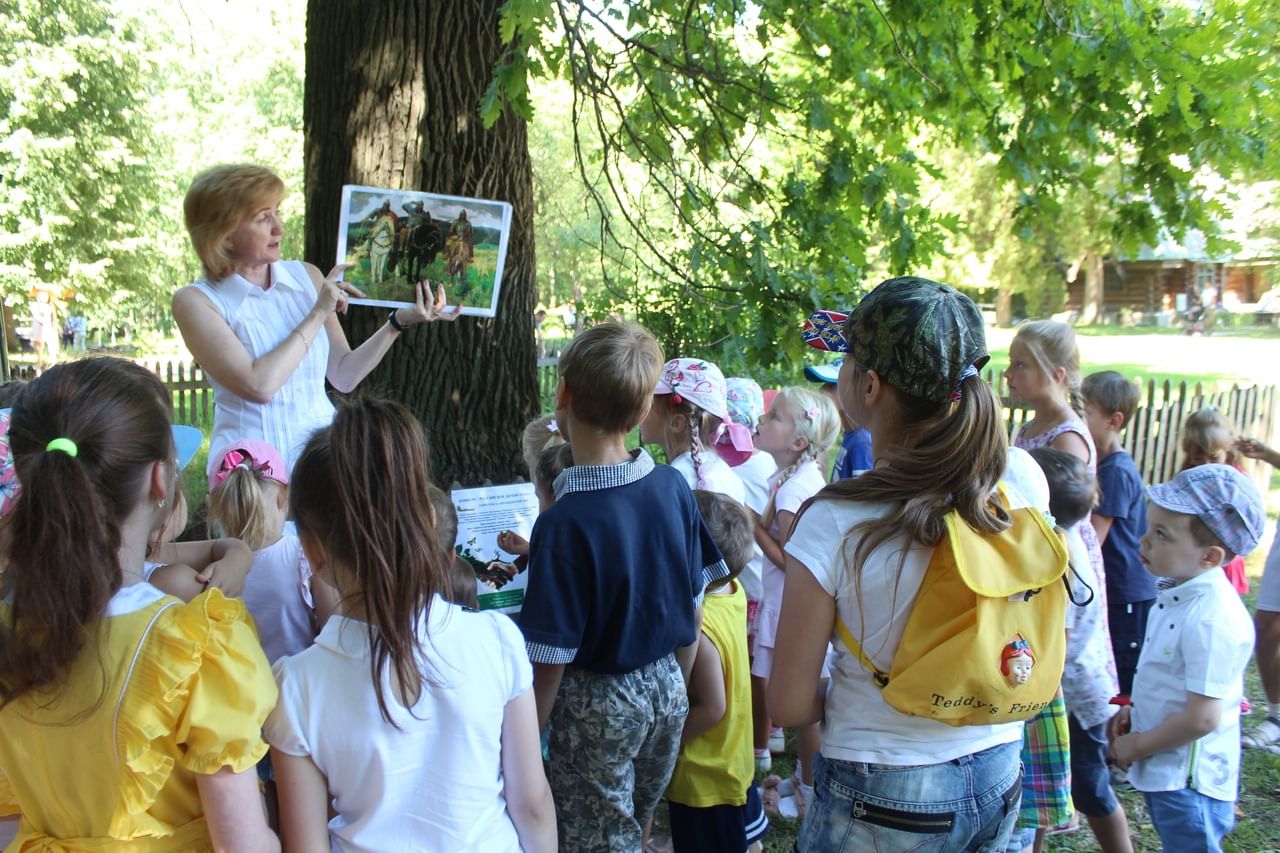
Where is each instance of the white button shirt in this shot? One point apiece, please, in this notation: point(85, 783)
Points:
point(1199, 639)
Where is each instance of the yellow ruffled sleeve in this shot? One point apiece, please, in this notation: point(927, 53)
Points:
point(198, 696)
point(229, 695)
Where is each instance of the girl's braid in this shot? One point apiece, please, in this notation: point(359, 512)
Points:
point(695, 449)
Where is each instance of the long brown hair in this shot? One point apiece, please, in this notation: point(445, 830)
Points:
point(65, 527)
point(950, 457)
point(361, 490)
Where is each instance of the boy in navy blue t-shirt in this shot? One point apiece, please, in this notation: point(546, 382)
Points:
point(1120, 518)
point(617, 570)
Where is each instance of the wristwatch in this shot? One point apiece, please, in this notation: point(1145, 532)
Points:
point(396, 324)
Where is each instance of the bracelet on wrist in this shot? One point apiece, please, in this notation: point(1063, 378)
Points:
point(395, 322)
point(305, 343)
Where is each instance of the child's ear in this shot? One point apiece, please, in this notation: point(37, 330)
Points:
point(1116, 421)
point(800, 443)
point(313, 551)
point(1059, 375)
point(1213, 556)
point(282, 498)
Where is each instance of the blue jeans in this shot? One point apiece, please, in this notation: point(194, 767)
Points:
point(1188, 821)
point(968, 804)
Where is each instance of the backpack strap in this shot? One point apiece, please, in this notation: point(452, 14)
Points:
point(846, 636)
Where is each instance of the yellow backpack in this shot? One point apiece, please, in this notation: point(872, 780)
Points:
point(986, 639)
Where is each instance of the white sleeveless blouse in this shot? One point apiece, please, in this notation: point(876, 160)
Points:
point(262, 319)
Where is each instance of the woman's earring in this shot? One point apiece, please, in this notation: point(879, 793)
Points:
point(160, 504)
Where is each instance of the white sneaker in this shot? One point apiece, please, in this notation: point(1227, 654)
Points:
point(777, 742)
point(1265, 736)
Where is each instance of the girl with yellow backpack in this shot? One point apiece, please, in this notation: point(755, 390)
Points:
point(941, 587)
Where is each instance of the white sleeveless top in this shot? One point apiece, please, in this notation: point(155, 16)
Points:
point(262, 319)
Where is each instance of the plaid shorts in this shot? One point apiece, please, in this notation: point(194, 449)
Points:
point(1046, 763)
point(613, 745)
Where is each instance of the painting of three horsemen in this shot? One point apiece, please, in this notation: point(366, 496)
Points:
point(395, 238)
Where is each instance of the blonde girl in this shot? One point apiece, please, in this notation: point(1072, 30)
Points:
point(798, 431)
point(248, 497)
point(412, 718)
point(541, 433)
point(1044, 375)
point(547, 455)
point(1208, 437)
point(690, 410)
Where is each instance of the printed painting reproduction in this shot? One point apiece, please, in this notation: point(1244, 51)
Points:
point(395, 238)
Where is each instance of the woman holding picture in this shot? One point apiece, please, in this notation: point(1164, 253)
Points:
point(266, 330)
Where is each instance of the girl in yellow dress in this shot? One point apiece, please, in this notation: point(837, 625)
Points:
point(128, 719)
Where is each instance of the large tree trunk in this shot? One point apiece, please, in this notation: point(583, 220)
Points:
point(1004, 307)
point(392, 88)
point(1091, 302)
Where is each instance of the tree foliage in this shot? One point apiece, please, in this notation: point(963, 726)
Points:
point(76, 155)
point(776, 155)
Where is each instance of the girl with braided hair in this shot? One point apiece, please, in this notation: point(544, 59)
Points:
point(689, 412)
point(798, 431)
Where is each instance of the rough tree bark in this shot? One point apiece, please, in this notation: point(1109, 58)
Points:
point(390, 100)
point(1091, 299)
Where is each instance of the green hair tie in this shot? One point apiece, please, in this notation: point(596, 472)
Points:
point(64, 445)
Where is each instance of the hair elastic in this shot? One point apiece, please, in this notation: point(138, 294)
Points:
point(553, 427)
point(969, 372)
point(64, 445)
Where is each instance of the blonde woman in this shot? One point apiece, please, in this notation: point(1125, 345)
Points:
point(264, 329)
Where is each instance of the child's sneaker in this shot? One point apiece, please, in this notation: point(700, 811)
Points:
point(764, 761)
point(1265, 736)
point(777, 742)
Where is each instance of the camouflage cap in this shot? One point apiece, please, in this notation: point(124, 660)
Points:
point(919, 335)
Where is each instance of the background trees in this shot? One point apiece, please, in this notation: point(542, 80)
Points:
point(714, 169)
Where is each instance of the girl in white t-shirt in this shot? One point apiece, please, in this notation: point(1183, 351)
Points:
point(689, 412)
point(885, 779)
point(248, 494)
point(413, 719)
point(798, 432)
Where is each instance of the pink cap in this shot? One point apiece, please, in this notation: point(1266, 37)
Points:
point(255, 455)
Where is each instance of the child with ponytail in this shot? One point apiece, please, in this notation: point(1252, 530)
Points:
point(1044, 375)
point(690, 410)
point(128, 719)
point(859, 552)
point(248, 496)
point(412, 717)
point(798, 431)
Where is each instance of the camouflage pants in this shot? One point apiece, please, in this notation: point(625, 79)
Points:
point(613, 745)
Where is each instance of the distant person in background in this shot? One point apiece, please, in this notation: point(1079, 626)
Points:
point(266, 330)
point(79, 332)
point(44, 331)
point(539, 331)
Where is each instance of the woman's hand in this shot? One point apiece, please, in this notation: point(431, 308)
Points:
point(334, 293)
point(1255, 449)
point(426, 308)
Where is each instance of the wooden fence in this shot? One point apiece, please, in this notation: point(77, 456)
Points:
point(1151, 437)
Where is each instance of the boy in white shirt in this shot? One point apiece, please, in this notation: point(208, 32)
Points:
point(1182, 735)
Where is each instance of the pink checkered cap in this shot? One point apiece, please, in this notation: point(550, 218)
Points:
point(1225, 500)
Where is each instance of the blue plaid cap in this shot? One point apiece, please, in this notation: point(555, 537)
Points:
point(1225, 500)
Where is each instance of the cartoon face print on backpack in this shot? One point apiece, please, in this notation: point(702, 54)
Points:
point(1016, 662)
